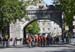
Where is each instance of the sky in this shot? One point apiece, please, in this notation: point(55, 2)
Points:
point(48, 2)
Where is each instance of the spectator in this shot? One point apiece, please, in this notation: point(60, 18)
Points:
point(5, 41)
point(0, 40)
point(15, 41)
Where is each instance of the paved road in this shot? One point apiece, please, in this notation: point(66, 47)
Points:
point(39, 49)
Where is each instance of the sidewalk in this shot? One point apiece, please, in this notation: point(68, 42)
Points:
point(39, 49)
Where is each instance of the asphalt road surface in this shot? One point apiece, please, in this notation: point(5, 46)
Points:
point(39, 49)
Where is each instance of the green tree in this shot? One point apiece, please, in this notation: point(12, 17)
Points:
point(10, 11)
point(68, 7)
point(33, 28)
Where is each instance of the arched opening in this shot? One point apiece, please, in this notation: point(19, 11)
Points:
point(54, 28)
point(51, 13)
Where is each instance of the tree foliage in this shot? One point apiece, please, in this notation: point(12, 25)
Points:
point(33, 28)
point(10, 11)
point(68, 7)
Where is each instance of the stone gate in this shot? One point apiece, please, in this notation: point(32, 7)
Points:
point(35, 13)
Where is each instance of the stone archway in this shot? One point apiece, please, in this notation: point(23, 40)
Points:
point(51, 13)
